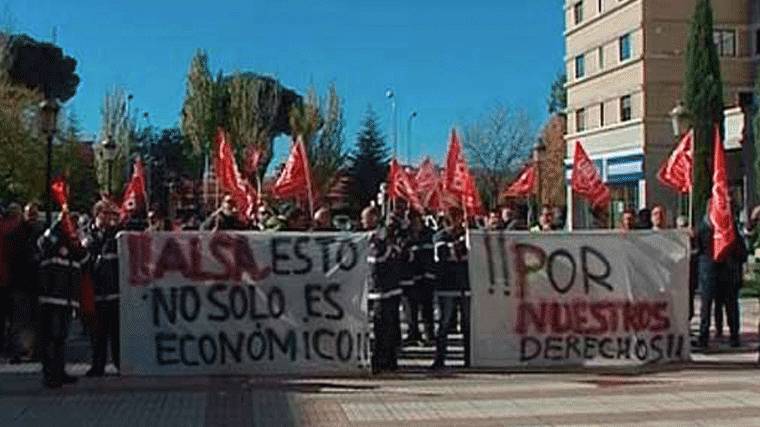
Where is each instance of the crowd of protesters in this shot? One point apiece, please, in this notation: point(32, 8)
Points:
point(418, 260)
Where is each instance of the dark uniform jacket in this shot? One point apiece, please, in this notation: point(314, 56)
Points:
point(421, 256)
point(104, 264)
point(451, 256)
point(61, 264)
point(384, 254)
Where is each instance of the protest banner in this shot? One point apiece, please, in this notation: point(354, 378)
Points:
point(580, 299)
point(243, 303)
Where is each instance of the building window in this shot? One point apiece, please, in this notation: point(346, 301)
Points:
point(580, 120)
point(601, 57)
point(601, 114)
point(578, 12)
point(757, 42)
point(725, 42)
point(580, 66)
point(625, 47)
point(625, 108)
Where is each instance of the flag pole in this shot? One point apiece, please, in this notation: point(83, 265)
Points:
point(307, 171)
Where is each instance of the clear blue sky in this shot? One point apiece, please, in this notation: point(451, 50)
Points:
point(449, 61)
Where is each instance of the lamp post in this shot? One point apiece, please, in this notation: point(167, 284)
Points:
point(48, 120)
point(412, 115)
point(680, 120)
point(109, 154)
point(389, 94)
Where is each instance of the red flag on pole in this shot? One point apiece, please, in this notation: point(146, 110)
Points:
point(253, 159)
point(721, 219)
point(134, 194)
point(472, 202)
point(86, 290)
point(455, 174)
point(586, 181)
point(523, 184)
point(59, 190)
point(229, 176)
point(426, 178)
point(676, 171)
point(399, 186)
point(295, 178)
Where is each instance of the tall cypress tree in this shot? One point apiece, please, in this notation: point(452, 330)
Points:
point(369, 161)
point(703, 96)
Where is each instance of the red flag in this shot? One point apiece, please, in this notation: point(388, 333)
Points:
point(426, 177)
point(676, 171)
point(523, 185)
point(255, 155)
point(412, 178)
point(59, 190)
point(227, 172)
point(399, 186)
point(455, 174)
point(586, 181)
point(295, 178)
point(134, 195)
point(719, 211)
point(472, 202)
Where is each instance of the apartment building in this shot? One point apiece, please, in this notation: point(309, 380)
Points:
point(625, 64)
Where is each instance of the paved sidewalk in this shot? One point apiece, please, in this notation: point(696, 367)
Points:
point(720, 387)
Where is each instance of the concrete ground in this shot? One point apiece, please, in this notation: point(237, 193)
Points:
point(720, 387)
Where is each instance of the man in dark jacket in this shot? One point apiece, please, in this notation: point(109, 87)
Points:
point(450, 245)
point(382, 260)
point(104, 267)
point(418, 248)
point(59, 277)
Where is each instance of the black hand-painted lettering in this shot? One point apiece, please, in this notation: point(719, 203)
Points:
point(298, 250)
point(211, 296)
point(160, 304)
point(592, 277)
point(550, 270)
point(312, 297)
point(182, 340)
point(331, 289)
point(189, 295)
point(278, 256)
point(163, 352)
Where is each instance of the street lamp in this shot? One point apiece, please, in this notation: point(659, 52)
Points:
point(389, 94)
point(409, 137)
point(680, 119)
point(48, 120)
point(109, 154)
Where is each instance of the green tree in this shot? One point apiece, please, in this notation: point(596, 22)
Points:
point(558, 94)
point(71, 160)
point(199, 111)
point(41, 66)
point(327, 154)
point(496, 144)
point(119, 125)
point(368, 161)
point(22, 172)
point(703, 97)
point(165, 161)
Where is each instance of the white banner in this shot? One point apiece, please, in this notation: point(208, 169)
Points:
point(243, 303)
point(581, 298)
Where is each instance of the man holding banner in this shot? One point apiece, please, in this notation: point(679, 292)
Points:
point(101, 244)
